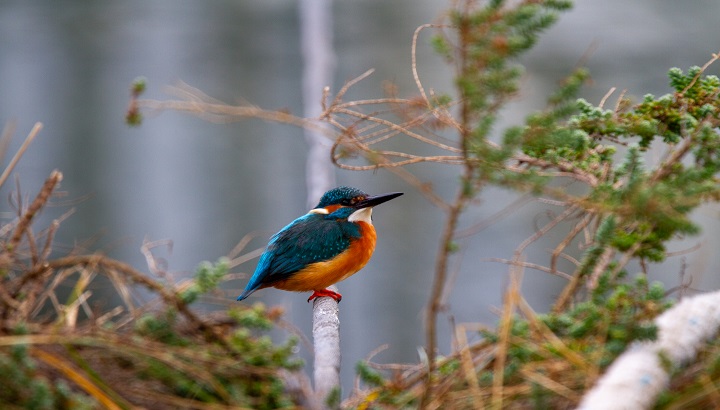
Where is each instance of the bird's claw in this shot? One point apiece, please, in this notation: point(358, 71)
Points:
point(325, 292)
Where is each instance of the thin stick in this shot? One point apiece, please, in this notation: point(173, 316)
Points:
point(80, 380)
point(531, 265)
point(609, 93)
point(5, 138)
point(715, 57)
point(468, 367)
point(33, 133)
point(512, 296)
point(414, 62)
point(570, 236)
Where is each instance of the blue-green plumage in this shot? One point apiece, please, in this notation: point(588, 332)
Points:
point(318, 236)
point(343, 195)
point(306, 240)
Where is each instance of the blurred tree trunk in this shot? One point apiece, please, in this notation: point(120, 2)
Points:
point(319, 63)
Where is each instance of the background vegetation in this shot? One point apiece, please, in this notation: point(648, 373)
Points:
point(588, 162)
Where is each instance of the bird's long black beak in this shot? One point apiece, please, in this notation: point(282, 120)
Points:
point(376, 200)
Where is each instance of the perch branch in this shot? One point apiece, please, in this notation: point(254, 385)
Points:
point(637, 377)
point(326, 336)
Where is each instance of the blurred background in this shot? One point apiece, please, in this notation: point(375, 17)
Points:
point(69, 64)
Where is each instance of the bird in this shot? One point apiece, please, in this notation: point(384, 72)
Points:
point(330, 243)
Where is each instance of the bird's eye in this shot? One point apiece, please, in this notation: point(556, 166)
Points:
point(351, 201)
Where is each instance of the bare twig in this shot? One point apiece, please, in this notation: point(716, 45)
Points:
point(541, 232)
point(28, 140)
point(512, 298)
point(6, 138)
point(73, 374)
point(469, 368)
point(579, 227)
point(506, 211)
point(168, 296)
point(530, 265)
point(606, 96)
point(715, 57)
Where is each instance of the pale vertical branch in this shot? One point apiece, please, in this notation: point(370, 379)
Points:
point(326, 337)
point(319, 62)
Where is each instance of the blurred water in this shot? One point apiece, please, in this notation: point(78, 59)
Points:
point(69, 64)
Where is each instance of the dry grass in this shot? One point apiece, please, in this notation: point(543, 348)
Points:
point(80, 333)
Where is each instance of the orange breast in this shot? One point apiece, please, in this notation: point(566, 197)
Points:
point(320, 275)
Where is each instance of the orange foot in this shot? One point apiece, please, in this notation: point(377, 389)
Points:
point(325, 292)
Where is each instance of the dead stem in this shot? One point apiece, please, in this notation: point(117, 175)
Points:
point(512, 298)
point(530, 265)
point(66, 368)
point(37, 204)
point(579, 227)
point(16, 158)
point(469, 368)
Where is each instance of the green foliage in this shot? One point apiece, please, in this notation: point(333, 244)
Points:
point(492, 35)
point(161, 327)
point(598, 329)
point(207, 277)
point(26, 386)
point(254, 318)
point(369, 375)
point(689, 387)
point(248, 348)
point(133, 117)
point(332, 401)
point(631, 204)
point(138, 86)
point(616, 315)
point(173, 352)
point(651, 205)
point(259, 350)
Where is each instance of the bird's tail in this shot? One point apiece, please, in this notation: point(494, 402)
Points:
point(245, 294)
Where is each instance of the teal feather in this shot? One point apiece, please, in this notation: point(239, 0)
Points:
point(309, 239)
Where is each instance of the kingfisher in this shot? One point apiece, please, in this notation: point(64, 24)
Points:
point(325, 246)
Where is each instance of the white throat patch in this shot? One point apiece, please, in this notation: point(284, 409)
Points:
point(363, 215)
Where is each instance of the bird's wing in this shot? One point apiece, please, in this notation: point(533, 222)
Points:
point(308, 239)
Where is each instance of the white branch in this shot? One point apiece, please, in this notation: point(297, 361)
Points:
point(319, 63)
point(326, 339)
point(636, 378)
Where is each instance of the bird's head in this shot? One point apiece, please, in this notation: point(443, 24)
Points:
point(351, 203)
